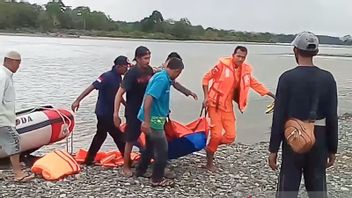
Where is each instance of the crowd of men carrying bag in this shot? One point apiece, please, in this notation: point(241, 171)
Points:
point(304, 117)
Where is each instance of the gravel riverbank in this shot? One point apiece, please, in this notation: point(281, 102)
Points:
point(243, 172)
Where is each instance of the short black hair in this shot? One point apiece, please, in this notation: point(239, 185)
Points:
point(141, 51)
point(121, 60)
point(241, 48)
point(173, 55)
point(175, 63)
point(305, 53)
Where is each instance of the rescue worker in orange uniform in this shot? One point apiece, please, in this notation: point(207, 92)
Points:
point(231, 79)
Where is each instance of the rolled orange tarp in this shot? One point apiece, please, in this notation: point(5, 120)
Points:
point(109, 159)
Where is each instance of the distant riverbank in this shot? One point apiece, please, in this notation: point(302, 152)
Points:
point(125, 37)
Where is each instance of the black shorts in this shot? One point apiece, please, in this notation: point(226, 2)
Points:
point(133, 128)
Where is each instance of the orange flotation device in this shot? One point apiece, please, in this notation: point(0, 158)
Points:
point(56, 165)
point(109, 159)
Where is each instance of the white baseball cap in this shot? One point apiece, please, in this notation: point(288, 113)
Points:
point(306, 41)
point(13, 55)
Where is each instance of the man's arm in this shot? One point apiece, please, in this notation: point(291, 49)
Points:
point(181, 88)
point(2, 87)
point(260, 88)
point(184, 90)
point(126, 85)
point(148, 102)
point(123, 101)
point(118, 100)
point(279, 117)
point(332, 123)
point(98, 84)
point(205, 95)
point(75, 105)
point(332, 119)
point(278, 122)
point(210, 75)
point(271, 95)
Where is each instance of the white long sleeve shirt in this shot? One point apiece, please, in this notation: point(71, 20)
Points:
point(7, 98)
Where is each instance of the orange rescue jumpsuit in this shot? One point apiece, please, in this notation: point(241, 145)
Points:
point(228, 83)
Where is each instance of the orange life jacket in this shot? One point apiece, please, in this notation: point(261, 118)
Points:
point(223, 79)
point(56, 165)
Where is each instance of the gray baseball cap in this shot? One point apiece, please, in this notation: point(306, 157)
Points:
point(306, 41)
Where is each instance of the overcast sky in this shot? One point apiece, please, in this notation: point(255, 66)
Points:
point(330, 17)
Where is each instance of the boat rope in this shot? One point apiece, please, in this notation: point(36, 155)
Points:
point(67, 125)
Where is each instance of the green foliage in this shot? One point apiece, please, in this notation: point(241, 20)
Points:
point(14, 15)
point(55, 16)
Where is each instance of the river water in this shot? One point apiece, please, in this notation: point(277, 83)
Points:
point(56, 70)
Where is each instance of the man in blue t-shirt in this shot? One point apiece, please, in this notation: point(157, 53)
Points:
point(153, 113)
point(107, 84)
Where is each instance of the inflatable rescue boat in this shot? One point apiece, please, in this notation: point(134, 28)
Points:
point(42, 126)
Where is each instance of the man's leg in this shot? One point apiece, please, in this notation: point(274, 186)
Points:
point(97, 141)
point(17, 169)
point(118, 137)
point(127, 171)
point(159, 141)
point(10, 143)
point(290, 173)
point(215, 136)
point(132, 133)
point(229, 123)
point(315, 167)
point(147, 155)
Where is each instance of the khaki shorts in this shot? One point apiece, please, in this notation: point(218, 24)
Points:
point(9, 140)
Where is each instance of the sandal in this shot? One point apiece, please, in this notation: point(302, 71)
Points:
point(164, 183)
point(27, 177)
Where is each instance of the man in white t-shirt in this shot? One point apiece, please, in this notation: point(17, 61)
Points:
point(9, 137)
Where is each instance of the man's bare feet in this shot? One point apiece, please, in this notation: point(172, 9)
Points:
point(23, 177)
point(133, 163)
point(211, 168)
point(210, 162)
point(126, 171)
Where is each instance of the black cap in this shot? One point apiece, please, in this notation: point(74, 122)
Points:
point(173, 55)
point(141, 51)
point(121, 60)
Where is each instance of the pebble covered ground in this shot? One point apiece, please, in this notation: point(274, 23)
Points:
point(242, 172)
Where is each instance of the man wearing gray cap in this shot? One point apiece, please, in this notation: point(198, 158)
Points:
point(306, 95)
point(9, 137)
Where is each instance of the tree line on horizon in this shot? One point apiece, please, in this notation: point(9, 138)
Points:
point(55, 16)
